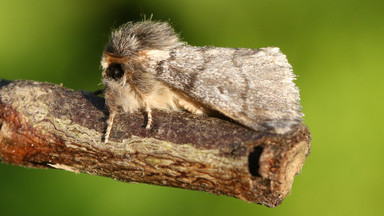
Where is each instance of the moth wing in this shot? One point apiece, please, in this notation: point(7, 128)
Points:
point(251, 86)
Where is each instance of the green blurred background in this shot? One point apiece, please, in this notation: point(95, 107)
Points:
point(335, 47)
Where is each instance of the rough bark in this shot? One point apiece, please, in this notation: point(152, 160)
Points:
point(48, 126)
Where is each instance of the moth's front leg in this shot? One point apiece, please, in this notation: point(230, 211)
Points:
point(112, 114)
point(148, 111)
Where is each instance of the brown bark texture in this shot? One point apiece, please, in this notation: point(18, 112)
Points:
point(43, 125)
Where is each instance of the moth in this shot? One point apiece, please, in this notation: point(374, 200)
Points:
point(146, 66)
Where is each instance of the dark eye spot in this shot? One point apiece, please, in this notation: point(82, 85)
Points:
point(115, 71)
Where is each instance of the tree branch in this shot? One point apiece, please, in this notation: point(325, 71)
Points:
point(48, 126)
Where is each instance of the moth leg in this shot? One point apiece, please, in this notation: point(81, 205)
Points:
point(148, 110)
point(190, 107)
point(109, 127)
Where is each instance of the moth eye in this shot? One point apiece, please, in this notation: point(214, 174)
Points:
point(114, 71)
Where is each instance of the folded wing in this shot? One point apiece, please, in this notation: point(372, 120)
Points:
point(251, 86)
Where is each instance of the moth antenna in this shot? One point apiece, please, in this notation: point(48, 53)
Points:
point(109, 127)
point(148, 110)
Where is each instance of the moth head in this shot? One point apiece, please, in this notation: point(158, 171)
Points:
point(112, 66)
